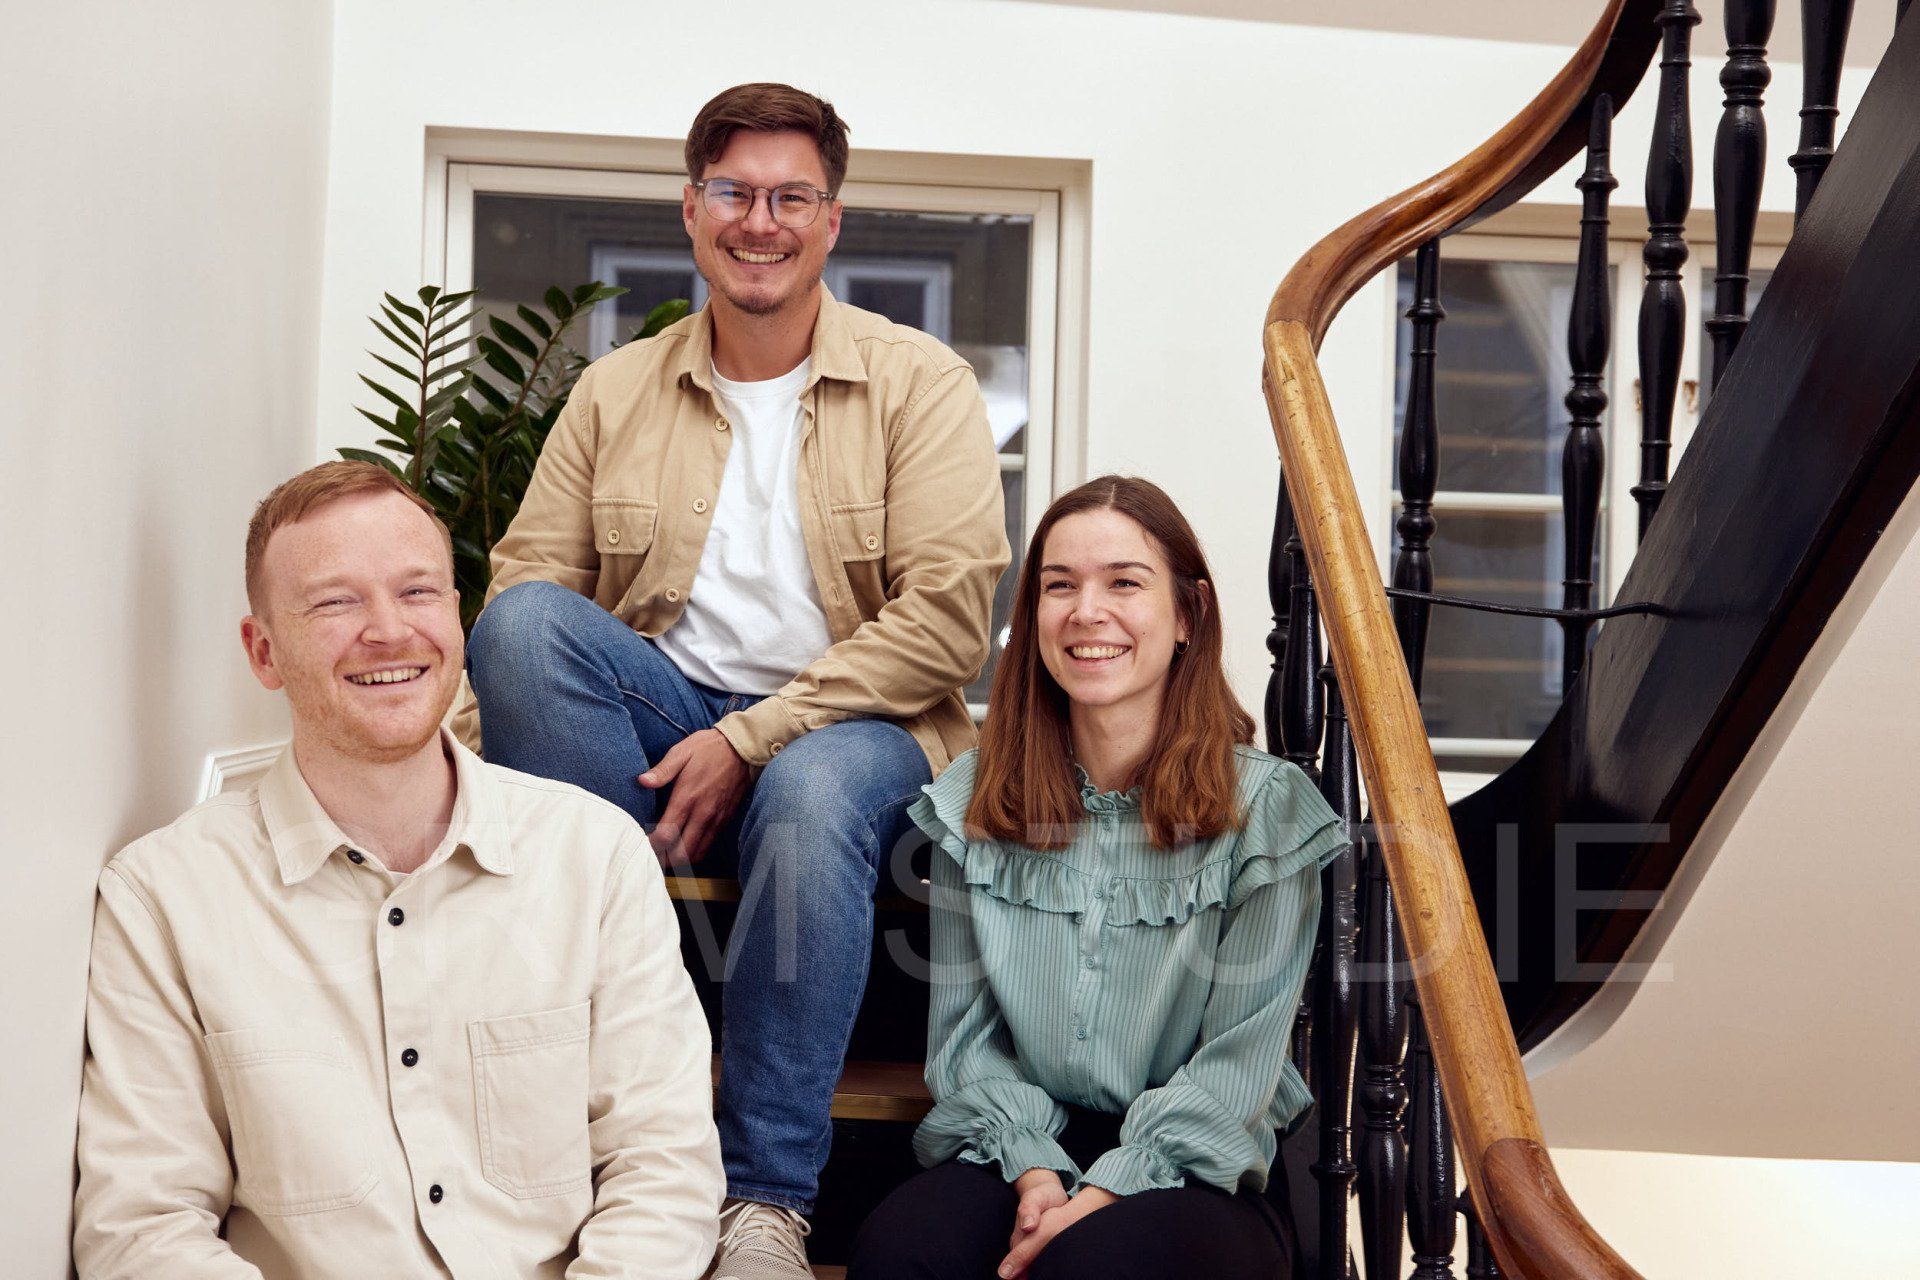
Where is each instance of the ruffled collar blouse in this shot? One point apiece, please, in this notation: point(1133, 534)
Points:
point(1159, 984)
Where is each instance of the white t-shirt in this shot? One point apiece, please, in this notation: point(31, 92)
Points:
point(753, 618)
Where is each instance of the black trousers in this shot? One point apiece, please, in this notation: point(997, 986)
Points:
point(953, 1221)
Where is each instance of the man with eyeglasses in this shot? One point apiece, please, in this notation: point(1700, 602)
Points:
point(753, 572)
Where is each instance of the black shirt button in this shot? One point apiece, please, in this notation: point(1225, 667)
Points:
point(434, 1193)
point(395, 916)
point(355, 856)
point(408, 1057)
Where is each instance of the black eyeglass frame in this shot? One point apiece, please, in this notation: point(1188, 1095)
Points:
point(826, 198)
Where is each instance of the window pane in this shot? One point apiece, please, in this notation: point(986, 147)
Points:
point(1501, 375)
point(1015, 484)
point(1492, 675)
point(962, 277)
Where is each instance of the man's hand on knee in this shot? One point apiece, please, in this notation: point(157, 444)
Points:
point(709, 778)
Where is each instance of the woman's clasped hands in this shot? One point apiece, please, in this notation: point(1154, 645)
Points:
point(1044, 1211)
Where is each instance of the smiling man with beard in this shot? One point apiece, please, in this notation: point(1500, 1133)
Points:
point(394, 1012)
point(753, 571)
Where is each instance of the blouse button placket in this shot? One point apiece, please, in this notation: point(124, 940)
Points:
point(1087, 980)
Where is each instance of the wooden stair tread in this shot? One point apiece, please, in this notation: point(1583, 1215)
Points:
point(876, 1091)
point(682, 887)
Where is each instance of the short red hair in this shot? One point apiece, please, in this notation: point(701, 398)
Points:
point(314, 488)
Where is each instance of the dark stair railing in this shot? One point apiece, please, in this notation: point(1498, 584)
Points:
point(1811, 437)
point(1589, 336)
point(1800, 456)
point(1739, 160)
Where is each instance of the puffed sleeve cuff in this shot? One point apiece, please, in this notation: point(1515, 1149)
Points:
point(1009, 1123)
point(1015, 1150)
point(1126, 1170)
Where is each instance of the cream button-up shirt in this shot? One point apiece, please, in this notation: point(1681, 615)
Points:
point(302, 1065)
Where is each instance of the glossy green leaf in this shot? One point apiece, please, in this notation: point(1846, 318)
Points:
point(498, 401)
point(408, 336)
point(498, 360)
point(533, 320)
point(513, 337)
point(392, 397)
point(407, 345)
point(411, 375)
point(670, 312)
point(445, 349)
point(412, 313)
point(449, 326)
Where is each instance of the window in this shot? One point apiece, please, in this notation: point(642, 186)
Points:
point(973, 266)
point(1491, 682)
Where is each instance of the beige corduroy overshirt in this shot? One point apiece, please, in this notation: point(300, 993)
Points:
point(900, 506)
point(302, 1065)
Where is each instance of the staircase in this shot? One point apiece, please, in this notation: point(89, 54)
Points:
point(1409, 1038)
point(1810, 440)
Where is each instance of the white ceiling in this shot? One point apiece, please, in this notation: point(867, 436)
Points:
point(1563, 22)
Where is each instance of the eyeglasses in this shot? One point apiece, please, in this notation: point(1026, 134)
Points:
point(793, 204)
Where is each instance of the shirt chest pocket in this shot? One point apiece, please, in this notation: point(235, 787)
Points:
point(298, 1115)
point(622, 533)
point(530, 1096)
point(623, 526)
point(860, 540)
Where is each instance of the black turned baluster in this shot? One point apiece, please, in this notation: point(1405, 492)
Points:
point(1663, 307)
point(1383, 1076)
point(1300, 705)
point(1823, 43)
point(1431, 1199)
point(1336, 1024)
point(1430, 1194)
point(1280, 601)
point(1480, 1261)
point(1584, 458)
point(1739, 160)
point(1419, 463)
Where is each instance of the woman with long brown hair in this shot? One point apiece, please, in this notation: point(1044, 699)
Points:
point(1125, 898)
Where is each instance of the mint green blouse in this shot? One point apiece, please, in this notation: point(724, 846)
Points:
point(1157, 984)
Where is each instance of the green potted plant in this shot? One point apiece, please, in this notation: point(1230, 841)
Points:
point(466, 419)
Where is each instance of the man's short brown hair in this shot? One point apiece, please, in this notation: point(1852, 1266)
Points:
point(767, 108)
point(316, 487)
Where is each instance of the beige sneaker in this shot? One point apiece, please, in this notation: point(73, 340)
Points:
point(760, 1242)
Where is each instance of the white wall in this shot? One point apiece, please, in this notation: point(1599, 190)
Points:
point(1728, 1218)
point(162, 215)
point(1309, 125)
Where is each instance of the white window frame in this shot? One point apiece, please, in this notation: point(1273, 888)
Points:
point(934, 278)
point(1550, 234)
point(603, 323)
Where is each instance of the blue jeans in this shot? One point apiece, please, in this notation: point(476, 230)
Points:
point(568, 691)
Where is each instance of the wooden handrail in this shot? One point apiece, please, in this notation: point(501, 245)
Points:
point(1534, 1228)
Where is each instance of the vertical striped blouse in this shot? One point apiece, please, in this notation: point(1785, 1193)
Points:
point(1155, 984)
